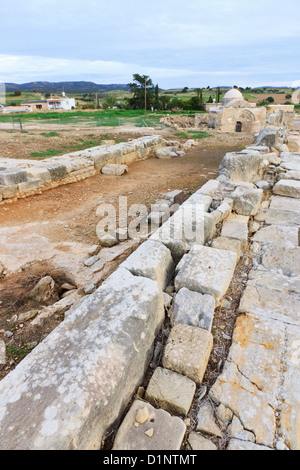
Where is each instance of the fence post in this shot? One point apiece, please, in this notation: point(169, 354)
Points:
point(20, 121)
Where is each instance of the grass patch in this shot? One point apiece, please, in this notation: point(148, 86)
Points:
point(192, 134)
point(50, 134)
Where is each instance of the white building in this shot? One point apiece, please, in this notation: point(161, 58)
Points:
point(61, 103)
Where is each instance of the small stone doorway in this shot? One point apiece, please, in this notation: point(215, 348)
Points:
point(238, 127)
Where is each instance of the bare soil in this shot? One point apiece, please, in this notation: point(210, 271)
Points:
point(75, 205)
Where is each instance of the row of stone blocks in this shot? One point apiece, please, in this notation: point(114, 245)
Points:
point(23, 178)
point(75, 385)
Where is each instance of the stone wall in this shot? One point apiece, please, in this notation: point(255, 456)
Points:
point(75, 386)
point(23, 178)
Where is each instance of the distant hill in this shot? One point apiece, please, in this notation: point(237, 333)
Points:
point(67, 87)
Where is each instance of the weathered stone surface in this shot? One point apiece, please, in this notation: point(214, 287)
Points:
point(291, 175)
point(289, 188)
point(236, 430)
point(2, 352)
point(254, 384)
point(231, 244)
point(193, 308)
point(198, 442)
point(71, 387)
point(206, 420)
point(11, 177)
point(272, 295)
point(153, 260)
point(236, 226)
point(114, 169)
point(170, 391)
point(268, 137)
point(166, 152)
point(278, 234)
point(242, 166)
point(237, 444)
point(187, 351)
point(246, 201)
point(167, 431)
point(176, 197)
point(206, 270)
point(46, 290)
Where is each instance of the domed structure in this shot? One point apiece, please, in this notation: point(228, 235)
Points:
point(231, 95)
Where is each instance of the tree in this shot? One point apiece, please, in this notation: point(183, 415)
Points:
point(143, 92)
point(156, 98)
point(18, 92)
point(270, 99)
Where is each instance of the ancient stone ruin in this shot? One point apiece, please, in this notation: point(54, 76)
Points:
point(186, 345)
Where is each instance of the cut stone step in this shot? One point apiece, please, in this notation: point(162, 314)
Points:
point(206, 270)
point(160, 431)
point(187, 351)
point(194, 309)
point(170, 391)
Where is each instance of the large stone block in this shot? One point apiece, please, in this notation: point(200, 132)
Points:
point(246, 201)
point(152, 260)
point(12, 177)
point(194, 309)
point(76, 382)
point(236, 226)
point(187, 351)
point(242, 166)
point(146, 428)
point(171, 391)
point(289, 188)
point(268, 137)
point(206, 270)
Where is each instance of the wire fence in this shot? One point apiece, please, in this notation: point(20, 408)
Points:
point(76, 122)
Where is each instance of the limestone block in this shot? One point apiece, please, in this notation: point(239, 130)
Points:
point(176, 197)
point(71, 387)
point(206, 270)
point(209, 188)
point(268, 137)
point(166, 152)
point(231, 244)
point(246, 201)
point(242, 166)
point(12, 177)
point(193, 309)
point(153, 260)
point(236, 226)
point(289, 188)
point(32, 184)
point(160, 431)
point(291, 175)
point(206, 421)
point(198, 442)
point(199, 199)
point(285, 203)
point(114, 169)
point(170, 391)
point(277, 234)
point(57, 171)
point(187, 351)
point(41, 173)
point(272, 295)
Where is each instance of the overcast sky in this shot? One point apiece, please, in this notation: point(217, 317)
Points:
point(178, 43)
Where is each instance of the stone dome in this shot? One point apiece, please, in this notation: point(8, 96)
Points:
point(232, 94)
